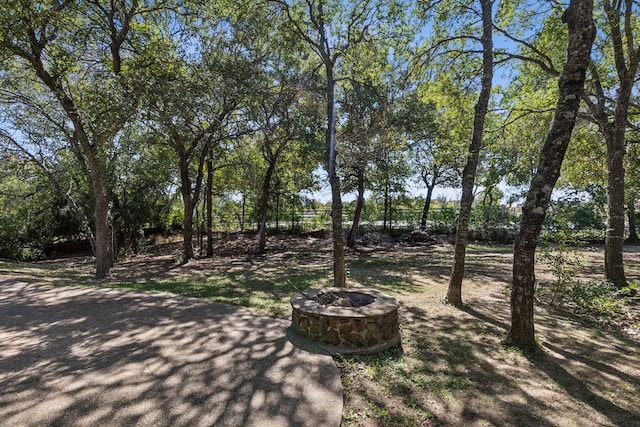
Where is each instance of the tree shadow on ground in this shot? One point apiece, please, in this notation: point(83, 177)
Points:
point(577, 361)
point(73, 356)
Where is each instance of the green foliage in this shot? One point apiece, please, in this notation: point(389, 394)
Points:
point(599, 297)
point(443, 220)
point(493, 223)
point(574, 215)
point(563, 261)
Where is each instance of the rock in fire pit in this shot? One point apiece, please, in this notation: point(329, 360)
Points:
point(347, 321)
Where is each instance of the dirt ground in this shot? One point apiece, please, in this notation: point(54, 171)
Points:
point(451, 368)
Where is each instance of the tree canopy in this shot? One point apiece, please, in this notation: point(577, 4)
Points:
point(129, 115)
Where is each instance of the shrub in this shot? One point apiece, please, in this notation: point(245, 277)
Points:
point(599, 297)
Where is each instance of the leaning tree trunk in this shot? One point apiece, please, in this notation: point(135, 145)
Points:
point(454, 293)
point(353, 233)
point(427, 206)
point(579, 18)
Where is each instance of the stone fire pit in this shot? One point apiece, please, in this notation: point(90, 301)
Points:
point(347, 321)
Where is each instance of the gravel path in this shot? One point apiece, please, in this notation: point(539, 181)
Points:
point(94, 357)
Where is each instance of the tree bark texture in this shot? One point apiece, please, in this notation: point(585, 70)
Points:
point(621, 37)
point(579, 18)
point(339, 268)
point(187, 201)
point(264, 206)
point(104, 254)
point(454, 293)
point(631, 216)
point(90, 163)
point(353, 233)
point(209, 203)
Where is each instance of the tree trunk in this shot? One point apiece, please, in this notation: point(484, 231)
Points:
point(91, 165)
point(454, 293)
point(570, 88)
point(427, 206)
point(209, 203)
point(244, 206)
point(339, 269)
point(188, 202)
point(626, 64)
point(187, 228)
point(353, 233)
point(104, 257)
point(264, 207)
point(386, 206)
point(277, 211)
point(631, 216)
point(614, 238)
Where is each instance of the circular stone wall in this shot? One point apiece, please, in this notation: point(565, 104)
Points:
point(366, 329)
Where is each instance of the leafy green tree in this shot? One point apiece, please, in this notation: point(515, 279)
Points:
point(611, 114)
point(581, 30)
point(365, 110)
point(143, 192)
point(279, 116)
point(332, 30)
point(457, 29)
point(32, 212)
point(434, 148)
point(607, 100)
point(193, 98)
point(71, 56)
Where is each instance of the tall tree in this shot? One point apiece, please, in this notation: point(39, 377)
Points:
point(620, 22)
point(581, 33)
point(206, 73)
point(280, 127)
point(75, 51)
point(454, 292)
point(332, 29)
point(434, 149)
point(184, 114)
point(611, 81)
point(365, 109)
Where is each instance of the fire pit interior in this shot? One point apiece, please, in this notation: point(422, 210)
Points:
point(347, 321)
point(343, 299)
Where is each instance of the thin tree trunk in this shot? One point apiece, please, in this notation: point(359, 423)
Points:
point(631, 216)
point(209, 203)
point(277, 211)
point(386, 206)
point(570, 88)
point(454, 293)
point(339, 268)
point(426, 207)
point(188, 203)
point(244, 205)
point(353, 233)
